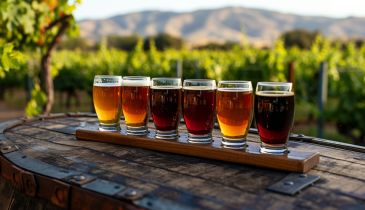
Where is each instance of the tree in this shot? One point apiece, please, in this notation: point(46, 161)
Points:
point(300, 38)
point(127, 43)
point(36, 25)
point(217, 46)
point(77, 43)
point(164, 41)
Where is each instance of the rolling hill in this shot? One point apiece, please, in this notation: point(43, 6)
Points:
point(261, 27)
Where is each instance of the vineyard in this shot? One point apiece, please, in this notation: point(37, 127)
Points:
point(73, 72)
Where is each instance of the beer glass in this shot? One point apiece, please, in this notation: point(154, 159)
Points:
point(274, 114)
point(166, 106)
point(198, 109)
point(135, 104)
point(107, 101)
point(234, 107)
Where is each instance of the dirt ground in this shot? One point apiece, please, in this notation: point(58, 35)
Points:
point(7, 112)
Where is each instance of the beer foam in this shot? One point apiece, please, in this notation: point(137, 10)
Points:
point(235, 89)
point(107, 81)
point(108, 84)
point(166, 87)
point(274, 93)
point(199, 88)
point(134, 82)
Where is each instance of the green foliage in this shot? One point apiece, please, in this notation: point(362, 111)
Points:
point(350, 120)
point(10, 59)
point(35, 25)
point(239, 63)
point(28, 22)
point(76, 70)
point(34, 106)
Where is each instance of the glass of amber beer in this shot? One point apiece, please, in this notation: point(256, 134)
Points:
point(274, 114)
point(135, 104)
point(198, 109)
point(234, 107)
point(166, 106)
point(107, 101)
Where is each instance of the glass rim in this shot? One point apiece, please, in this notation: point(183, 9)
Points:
point(165, 78)
point(164, 86)
point(199, 80)
point(284, 87)
point(136, 78)
point(234, 82)
point(112, 81)
point(107, 76)
point(239, 83)
point(136, 81)
point(211, 84)
point(275, 83)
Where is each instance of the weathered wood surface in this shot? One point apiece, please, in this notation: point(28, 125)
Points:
point(179, 181)
point(295, 161)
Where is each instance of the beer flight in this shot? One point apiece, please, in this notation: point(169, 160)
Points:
point(199, 101)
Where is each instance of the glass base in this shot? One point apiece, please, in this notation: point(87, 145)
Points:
point(170, 135)
point(109, 127)
point(137, 131)
point(200, 139)
point(231, 143)
point(275, 149)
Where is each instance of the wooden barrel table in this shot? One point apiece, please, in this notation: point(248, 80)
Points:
point(44, 166)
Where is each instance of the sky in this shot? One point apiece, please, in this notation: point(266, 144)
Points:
point(95, 9)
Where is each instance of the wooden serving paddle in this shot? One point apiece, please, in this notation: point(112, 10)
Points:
point(295, 161)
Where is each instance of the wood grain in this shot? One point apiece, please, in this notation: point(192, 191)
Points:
point(181, 180)
point(295, 161)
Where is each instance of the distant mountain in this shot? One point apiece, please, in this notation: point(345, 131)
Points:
point(261, 27)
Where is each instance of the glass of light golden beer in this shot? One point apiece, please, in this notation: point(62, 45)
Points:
point(234, 112)
point(135, 104)
point(107, 101)
point(166, 106)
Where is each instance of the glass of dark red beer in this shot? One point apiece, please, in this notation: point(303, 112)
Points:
point(274, 114)
point(165, 100)
point(199, 109)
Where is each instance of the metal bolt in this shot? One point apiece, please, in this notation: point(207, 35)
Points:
point(6, 148)
point(130, 193)
point(79, 178)
point(303, 175)
point(289, 183)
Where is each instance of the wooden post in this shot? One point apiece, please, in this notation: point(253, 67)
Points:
point(322, 97)
point(29, 84)
point(179, 68)
point(196, 69)
point(291, 73)
point(29, 87)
